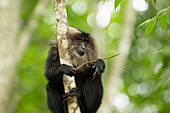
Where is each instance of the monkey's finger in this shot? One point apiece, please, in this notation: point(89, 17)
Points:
point(73, 71)
point(75, 92)
point(70, 71)
point(95, 73)
point(100, 69)
point(94, 66)
point(66, 99)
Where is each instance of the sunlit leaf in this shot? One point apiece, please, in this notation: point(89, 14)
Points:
point(147, 21)
point(150, 27)
point(117, 2)
point(162, 21)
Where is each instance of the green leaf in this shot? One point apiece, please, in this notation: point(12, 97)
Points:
point(117, 2)
point(146, 1)
point(150, 27)
point(162, 21)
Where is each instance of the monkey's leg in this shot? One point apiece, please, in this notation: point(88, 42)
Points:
point(54, 98)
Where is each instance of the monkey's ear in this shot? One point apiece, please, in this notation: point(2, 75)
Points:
point(73, 30)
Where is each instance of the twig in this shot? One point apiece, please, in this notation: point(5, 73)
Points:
point(96, 60)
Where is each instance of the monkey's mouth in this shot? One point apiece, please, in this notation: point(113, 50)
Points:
point(80, 52)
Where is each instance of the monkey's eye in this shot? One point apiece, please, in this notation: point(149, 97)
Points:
point(80, 40)
point(86, 41)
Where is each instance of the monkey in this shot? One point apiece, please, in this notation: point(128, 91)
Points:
point(82, 47)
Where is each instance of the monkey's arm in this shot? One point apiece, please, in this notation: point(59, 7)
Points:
point(92, 90)
point(53, 69)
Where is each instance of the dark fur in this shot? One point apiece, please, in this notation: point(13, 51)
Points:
point(91, 89)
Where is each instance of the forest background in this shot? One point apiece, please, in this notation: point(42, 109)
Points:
point(136, 81)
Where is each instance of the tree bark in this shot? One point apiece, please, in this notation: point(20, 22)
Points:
point(64, 53)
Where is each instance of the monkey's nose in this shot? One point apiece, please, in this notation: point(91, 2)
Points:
point(84, 48)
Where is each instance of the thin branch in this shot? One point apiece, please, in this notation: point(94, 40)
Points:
point(96, 60)
point(110, 56)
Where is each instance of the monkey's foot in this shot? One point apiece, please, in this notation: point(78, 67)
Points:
point(71, 93)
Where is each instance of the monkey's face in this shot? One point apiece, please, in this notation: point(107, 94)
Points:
point(79, 41)
point(81, 45)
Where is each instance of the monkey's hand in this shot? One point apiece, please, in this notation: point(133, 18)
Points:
point(99, 66)
point(68, 70)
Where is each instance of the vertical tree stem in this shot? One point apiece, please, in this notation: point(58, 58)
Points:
point(123, 48)
point(64, 53)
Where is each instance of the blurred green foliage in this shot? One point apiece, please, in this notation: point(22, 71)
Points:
point(146, 76)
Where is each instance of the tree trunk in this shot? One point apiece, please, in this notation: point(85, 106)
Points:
point(123, 49)
point(64, 53)
point(10, 49)
point(9, 15)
